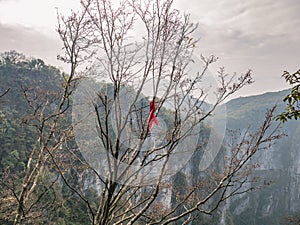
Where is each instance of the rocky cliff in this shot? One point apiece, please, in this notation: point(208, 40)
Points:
point(279, 166)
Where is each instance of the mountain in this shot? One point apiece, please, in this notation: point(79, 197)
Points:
point(250, 110)
point(279, 165)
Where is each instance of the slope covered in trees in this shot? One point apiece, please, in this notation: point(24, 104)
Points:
point(19, 75)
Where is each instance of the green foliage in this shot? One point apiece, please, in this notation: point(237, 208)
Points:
point(14, 141)
point(18, 134)
point(73, 211)
point(19, 73)
point(292, 100)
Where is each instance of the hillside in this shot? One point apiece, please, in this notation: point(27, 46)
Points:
point(20, 75)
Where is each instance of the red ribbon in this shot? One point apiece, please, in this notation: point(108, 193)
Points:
point(152, 117)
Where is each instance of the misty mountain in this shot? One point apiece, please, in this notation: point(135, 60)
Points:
point(279, 166)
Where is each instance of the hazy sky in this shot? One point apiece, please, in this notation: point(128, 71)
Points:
point(262, 35)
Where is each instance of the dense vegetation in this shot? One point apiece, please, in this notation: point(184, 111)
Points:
point(20, 74)
point(24, 75)
point(292, 99)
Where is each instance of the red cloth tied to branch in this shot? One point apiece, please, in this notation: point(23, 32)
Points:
point(152, 117)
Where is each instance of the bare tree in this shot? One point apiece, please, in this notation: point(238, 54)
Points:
point(4, 93)
point(47, 127)
point(291, 219)
point(118, 116)
point(31, 194)
point(130, 158)
point(49, 120)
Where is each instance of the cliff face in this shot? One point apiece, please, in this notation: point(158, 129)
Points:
point(279, 166)
point(278, 170)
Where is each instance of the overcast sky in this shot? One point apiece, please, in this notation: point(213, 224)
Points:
point(262, 35)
